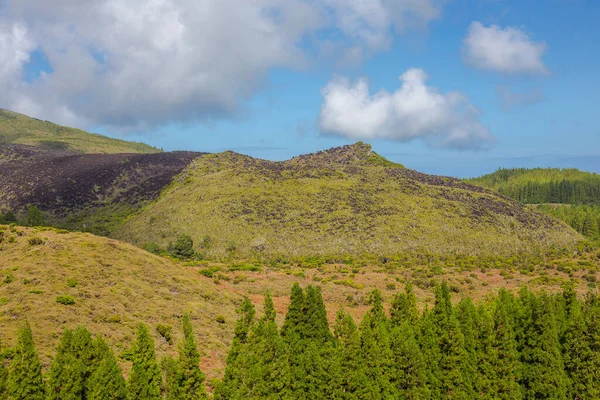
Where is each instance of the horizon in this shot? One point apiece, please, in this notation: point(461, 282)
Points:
point(443, 87)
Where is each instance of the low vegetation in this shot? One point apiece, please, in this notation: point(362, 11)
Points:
point(20, 129)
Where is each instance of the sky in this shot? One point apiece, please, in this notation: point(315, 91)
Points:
point(451, 87)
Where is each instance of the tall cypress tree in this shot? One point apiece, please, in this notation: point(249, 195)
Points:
point(543, 375)
point(375, 353)
point(189, 360)
point(294, 318)
point(67, 371)
point(25, 378)
point(429, 342)
point(404, 307)
point(351, 378)
point(410, 378)
point(235, 380)
point(107, 382)
point(468, 318)
point(582, 363)
point(145, 378)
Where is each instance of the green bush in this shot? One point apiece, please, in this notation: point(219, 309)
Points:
point(220, 319)
point(72, 283)
point(66, 300)
point(183, 248)
point(166, 332)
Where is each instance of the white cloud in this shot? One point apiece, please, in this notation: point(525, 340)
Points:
point(142, 63)
point(508, 50)
point(510, 98)
point(413, 111)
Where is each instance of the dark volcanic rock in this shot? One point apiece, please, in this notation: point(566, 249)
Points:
point(61, 182)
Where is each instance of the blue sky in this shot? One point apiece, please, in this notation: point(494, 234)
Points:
point(526, 86)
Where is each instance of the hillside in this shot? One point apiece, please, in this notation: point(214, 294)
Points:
point(344, 201)
point(91, 192)
point(115, 286)
point(20, 129)
point(570, 195)
point(544, 185)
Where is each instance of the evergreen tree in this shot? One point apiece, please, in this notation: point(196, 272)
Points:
point(25, 378)
point(351, 379)
point(172, 377)
point(235, 380)
point(375, 353)
point(582, 363)
point(145, 378)
point(294, 318)
point(107, 382)
point(67, 371)
point(429, 343)
point(468, 318)
point(35, 217)
point(189, 360)
point(404, 307)
point(410, 377)
point(543, 375)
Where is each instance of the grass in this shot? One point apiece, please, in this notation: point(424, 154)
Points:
point(345, 201)
point(20, 129)
point(80, 279)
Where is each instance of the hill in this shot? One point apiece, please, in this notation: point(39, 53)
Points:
point(570, 195)
point(20, 129)
point(91, 192)
point(343, 201)
point(544, 185)
point(114, 286)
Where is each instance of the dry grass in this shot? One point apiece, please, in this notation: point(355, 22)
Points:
point(115, 287)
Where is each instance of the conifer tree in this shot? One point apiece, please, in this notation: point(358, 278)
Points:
point(455, 381)
point(410, 377)
point(404, 307)
point(505, 357)
point(67, 371)
point(543, 375)
point(25, 378)
point(235, 379)
point(582, 363)
point(468, 319)
point(294, 318)
point(145, 378)
point(376, 354)
point(429, 343)
point(107, 382)
point(351, 379)
point(189, 360)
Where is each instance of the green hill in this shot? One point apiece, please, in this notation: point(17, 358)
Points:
point(343, 201)
point(20, 129)
point(544, 185)
point(570, 195)
point(114, 286)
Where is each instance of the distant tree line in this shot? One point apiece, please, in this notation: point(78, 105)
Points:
point(545, 185)
point(585, 219)
point(33, 217)
point(530, 346)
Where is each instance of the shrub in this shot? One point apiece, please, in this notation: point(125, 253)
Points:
point(72, 283)
point(183, 247)
point(220, 319)
point(66, 300)
point(9, 278)
point(3, 301)
point(166, 332)
point(390, 286)
point(152, 247)
point(36, 291)
point(35, 217)
point(231, 246)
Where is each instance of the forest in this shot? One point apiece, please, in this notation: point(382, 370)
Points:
point(544, 185)
point(585, 219)
point(525, 346)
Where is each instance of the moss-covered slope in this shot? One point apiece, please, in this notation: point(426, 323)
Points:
point(341, 201)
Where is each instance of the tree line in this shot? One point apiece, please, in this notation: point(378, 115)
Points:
point(585, 219)
point(525, 346)
point(545, 185)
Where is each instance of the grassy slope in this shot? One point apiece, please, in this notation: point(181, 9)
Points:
point(342, 201)
point(118, 286)
point(20, 129)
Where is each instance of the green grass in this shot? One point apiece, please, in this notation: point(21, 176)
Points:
point(80, 279)
point(20, 129)
point(345, 201)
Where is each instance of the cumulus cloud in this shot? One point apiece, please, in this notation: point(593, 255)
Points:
point(142, 63)
point(413, 111)
point(509, 98)
point(507, 50)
